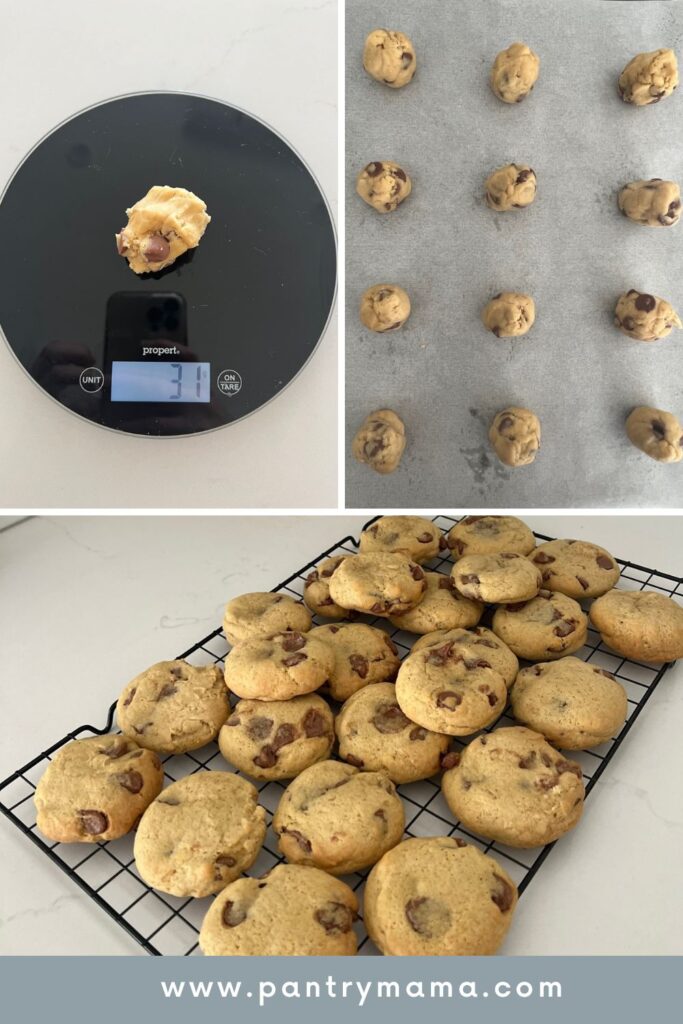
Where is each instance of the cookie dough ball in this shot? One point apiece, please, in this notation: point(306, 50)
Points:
point(161, 226)
point(487, 535)
point(200, 834)
point(576, 568)
point(656, 202)
point(511, 187)
point(277, 739)
point(542, 629)
point(477, 645)
point(376, 735)
point(290, 911)
point(513, 787)
point(317, 590)
point(438, 897)
point(509, 314)
point(378, 584)
point(174, 707)
point(416, 538)
point(251, 615)
point(574, 704)
point(96, 789)
point(380, 441)
point(640, 624)
point(389, 57)
point(362, 654)
point(649, 77)
point(514, 73)
point(337, 818)
point(657, 433)
point(442, 607)
point(279, 667)
point(497, 579)
point(384, 307)
point(515, 435)
point(645, 317)
point(383, 185)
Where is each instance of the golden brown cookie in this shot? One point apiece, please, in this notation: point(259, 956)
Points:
point(476, 644)
point(378, 584)
point(576, 568)
point(487, 535)
point(317, 590)
point(547, 627)
point(278, 667)
point(497, 579)
point(640, 624)
point(362, 654)
point(417, 538)
point(263, 614)
point(442, 607)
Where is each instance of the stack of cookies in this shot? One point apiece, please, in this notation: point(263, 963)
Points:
point(332, 714)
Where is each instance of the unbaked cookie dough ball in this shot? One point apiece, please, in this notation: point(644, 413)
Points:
point(515, 434)
point(514, 73)
point(649, 77)
point(384, 307)
point(509, 314)
point(381, 440)
point(645, 317)
point(657, 433)
point(389, 57)
point(656, 202)
point(161, 226)
point(510, 188)
point(383, 185)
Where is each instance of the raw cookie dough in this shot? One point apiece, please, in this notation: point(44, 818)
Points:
point(362, 654)
point(161, 227)
point(511, 187)
point(389, 57)
point(374, 734)
point(515, 435)
point(438, 896)
point(380, 441)
point(509, 314)
point(657, 433)
point(413, 536)
point(442, 607)
point(277, 739)
point(497, 579)
point(574, 704)
point(640, 624)
point(378, 584)
point(656, 202)
point(383, 185)
point(576, 568)
point(96, 789)
point(514, 73)
point(547, 627)
point(174, 707)
point(339, 819)
point(384, 307)
point(278, 667)
point(645, 317)
point(252, 615)
point(290, 911)
point(514, 787)
point(477, 644)
point(200, 834)
point(317, 590)
point(649, 77)
point(486, 535)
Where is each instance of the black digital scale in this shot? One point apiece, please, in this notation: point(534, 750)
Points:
point(206, 341)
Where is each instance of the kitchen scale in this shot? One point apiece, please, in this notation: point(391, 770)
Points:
point(206, 341)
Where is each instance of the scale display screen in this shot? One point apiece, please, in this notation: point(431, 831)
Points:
point(160, 382)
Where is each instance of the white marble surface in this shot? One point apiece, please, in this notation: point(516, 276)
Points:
point(274, 58)
point(86, 602)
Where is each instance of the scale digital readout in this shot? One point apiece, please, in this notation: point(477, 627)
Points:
point(160, 382)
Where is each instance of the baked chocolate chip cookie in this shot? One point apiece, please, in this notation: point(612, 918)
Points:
point(576, 568)
point(488, 535)
point(442, 607)
point(640, 624)
point(416, 538)
point(278, 667)
point(317, 590)
point(252, 615)
point(362, 654)
point(378, 584)
point(497, 579)
point(547, 627)
point(476, 644)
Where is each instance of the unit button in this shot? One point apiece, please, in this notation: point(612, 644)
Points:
point(229, 382)
point(91, 379)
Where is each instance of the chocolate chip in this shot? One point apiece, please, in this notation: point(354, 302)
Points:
point(314, 723)
point(233, 914)
point(311, 578)
point(439, 655)
point(406, 59)
point(450, 760)
point(548, 782)
point(258, 727)
point(285, 735)
point(504, 895)
point(129, 698)
point(523, 175)
point(372, 170)
point(388, 718)
point(425, 538)
point(390, 644)
point(448, 699)
point(517, 606)
point(646, 303)
point(446, 583)
point(380, 814)
point(528, 761)
point(117, 748)
point(505, 423)
point(266, 757)
point(564, 628)
point(418, 733)
point(224, 860)
point(457, 545)
point(416, 572)
point(540, 558)
point(335, 918)
point(379, 607)
point(427, 917)
point(167, 691)
point(568, 766)
point(398, 173)
point(359, 665)
point(132, 781)
point(470, 579)
point(94, 823)
point(299, 838)
point(293, 641)
point(604, 562)
point(355, 761)
point(233, 720)
point(156, 249)
point(629, 323)
point(492, 699)
point(584, 582)
point(294, 659)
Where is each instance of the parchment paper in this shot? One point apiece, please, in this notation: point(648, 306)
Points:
point(572, 250)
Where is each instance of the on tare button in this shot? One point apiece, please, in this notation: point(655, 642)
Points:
point(229, 382)
point(91, 379)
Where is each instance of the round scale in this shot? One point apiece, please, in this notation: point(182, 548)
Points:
point(206, 341)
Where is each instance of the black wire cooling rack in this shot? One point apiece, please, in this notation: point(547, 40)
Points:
point(166, 925)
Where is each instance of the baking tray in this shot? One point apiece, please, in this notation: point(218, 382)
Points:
point(443, 373)
point(167, 925)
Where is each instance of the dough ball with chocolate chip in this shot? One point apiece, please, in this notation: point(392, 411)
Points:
point(509, 314)
point(362, 655)
point(656, 202)
point(174, 707)
point(510, 188)
point(645, 317)
point(649, 77)
point(337, 818)
point(383, 185)
point(278, 667)
point(378, 583)
point(200, 834)
point(515, 435)
point(514, 73)
point(384, 307)
point(389, 57)
point(96, 789)
point(161, 226)
point(317, 590)
point(263, 614)
point(657, 433)
point(380, 441)
point(438, 897)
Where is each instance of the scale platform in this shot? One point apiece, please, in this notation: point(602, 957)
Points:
point(210, 339)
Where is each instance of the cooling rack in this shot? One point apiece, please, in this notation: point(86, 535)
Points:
point(166, 925)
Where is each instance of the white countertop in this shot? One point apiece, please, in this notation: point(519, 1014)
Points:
point(274, 59)
point(88, 602)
